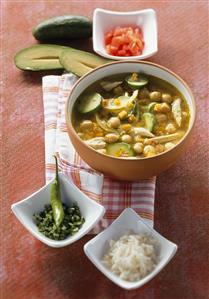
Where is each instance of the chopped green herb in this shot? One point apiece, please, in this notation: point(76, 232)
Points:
point(71, 223)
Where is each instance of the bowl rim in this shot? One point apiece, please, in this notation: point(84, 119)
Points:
point(143, 12)
point(124, 13)
point(129, 159)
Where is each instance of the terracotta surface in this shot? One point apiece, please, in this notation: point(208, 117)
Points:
point(29, 269)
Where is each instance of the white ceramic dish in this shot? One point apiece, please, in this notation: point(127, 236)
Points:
point(129, 220)
point(90, 210)
point(105, 20)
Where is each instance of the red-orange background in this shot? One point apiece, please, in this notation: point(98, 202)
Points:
point(29, 269)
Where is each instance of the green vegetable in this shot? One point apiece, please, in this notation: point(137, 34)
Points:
point(39, 57)
point(66, 27)
point(149, 121)
point(55, 199)
point(89, 103)
point(120, 149)
point(121, 102)
point(71, 223)
point(136, 81)
point(80, 62)
point(151, 106)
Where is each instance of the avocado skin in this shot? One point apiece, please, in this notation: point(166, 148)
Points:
point(68, 27)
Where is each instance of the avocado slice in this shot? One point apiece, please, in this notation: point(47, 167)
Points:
point(39, 57)
point(80, 62)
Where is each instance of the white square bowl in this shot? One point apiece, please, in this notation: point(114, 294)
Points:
point(106, 20)
point(128, 221)
point(90, 210)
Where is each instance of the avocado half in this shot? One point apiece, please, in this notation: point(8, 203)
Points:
point(80, 62)
point(39, 57)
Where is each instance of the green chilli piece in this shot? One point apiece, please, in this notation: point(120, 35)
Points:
point(55, 199)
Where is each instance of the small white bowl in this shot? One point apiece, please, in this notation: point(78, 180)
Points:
point(106, 20)
point(90, 210)
point(128, 221)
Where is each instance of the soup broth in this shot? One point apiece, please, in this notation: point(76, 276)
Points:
point(131, 115)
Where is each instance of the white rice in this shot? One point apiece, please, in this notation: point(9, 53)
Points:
point(131, 257)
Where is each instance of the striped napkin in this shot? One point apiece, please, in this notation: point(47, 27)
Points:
point(112, 194)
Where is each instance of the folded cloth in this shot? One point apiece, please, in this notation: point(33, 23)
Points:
point(112, 194)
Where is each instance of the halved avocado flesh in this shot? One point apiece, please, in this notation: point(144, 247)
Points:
point(39, 57)
point(80, 62)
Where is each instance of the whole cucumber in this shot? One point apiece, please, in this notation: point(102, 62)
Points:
point(66, 27)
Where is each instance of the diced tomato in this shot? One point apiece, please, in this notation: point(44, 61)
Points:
point(124, 41)
point(108, 38)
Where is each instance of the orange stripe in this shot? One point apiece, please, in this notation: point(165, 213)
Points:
point(52, 126)
point(92, 195)
point(51, 89)
point(112, 215)
point(50, 166)
point(76, 176)
point(63, 130)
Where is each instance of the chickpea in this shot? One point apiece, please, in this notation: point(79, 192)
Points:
point(162, 108)
point(166, 97)
point(170, 128)
point(159, 148)
point(102, 151)
point(111, 138)
point(123, 114)
point(155, 96)
point(86, 125)
point(138, 147)
point(160, 117)
point(169, 145)
point(126, 138)
point(114, 122)
point(138, 138)
point(149, 151)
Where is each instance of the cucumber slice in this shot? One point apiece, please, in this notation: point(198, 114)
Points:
point(120, 149)
point(89, 103)
point(149, 121)
point(136, 81)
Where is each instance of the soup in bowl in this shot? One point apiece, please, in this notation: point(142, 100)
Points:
point(130, 120)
